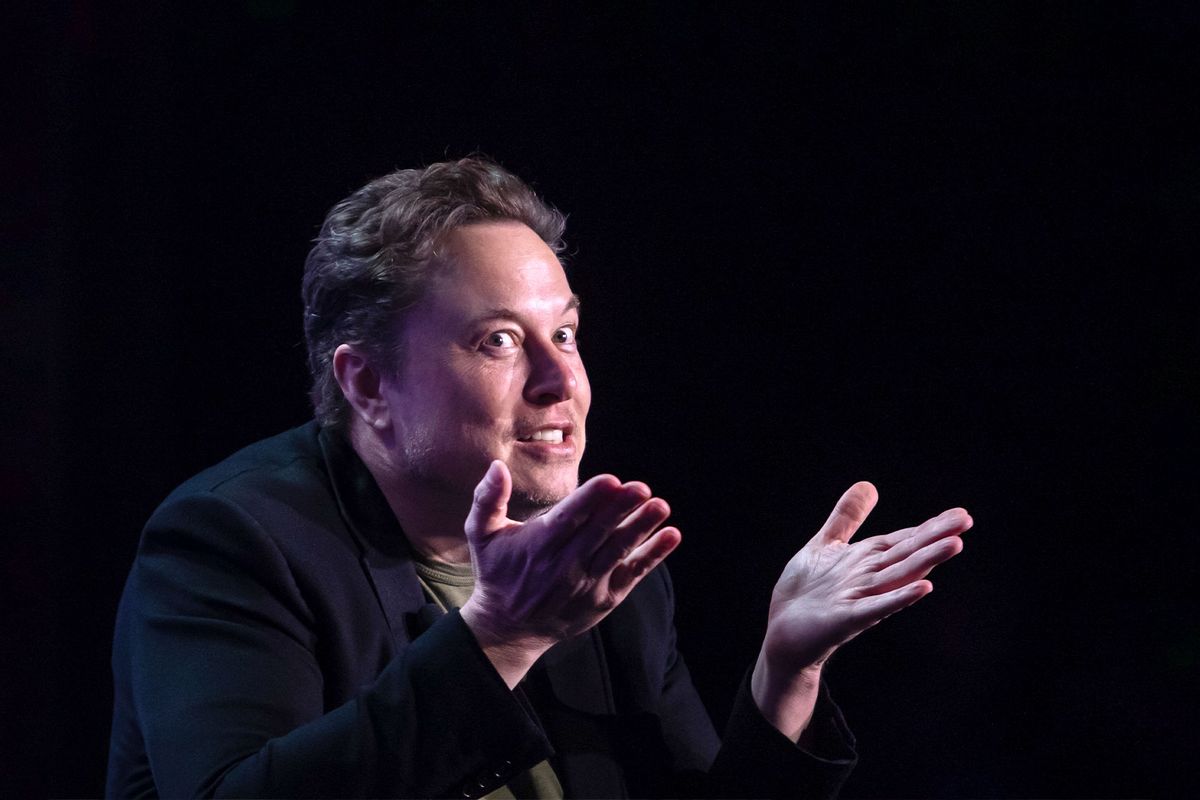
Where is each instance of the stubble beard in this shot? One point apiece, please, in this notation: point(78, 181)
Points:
point(524, 506)
point(536, 498)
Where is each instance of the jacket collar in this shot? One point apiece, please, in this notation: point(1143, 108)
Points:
point(385, 553)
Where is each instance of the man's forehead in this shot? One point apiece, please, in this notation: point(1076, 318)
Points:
point(506, 312)
point(480, 238)
point(502, 265)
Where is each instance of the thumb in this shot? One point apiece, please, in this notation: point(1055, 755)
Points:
point(489, 509)
point(849, 513)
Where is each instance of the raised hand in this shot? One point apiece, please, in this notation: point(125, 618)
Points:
point(833, 590)
point(555, 576)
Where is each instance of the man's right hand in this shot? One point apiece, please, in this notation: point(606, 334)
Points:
point(555, 576)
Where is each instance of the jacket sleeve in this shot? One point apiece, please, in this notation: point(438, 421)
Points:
point(754, 759)
point(216, 658)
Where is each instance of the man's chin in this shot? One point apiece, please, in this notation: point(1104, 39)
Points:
point(527, 502)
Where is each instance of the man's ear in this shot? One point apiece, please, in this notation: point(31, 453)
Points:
point(361, 384)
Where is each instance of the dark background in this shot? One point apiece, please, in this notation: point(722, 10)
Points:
point(949, 249)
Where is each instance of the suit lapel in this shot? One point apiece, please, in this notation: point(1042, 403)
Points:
point(383, 548)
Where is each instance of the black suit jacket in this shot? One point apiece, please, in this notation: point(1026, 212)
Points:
point(273, 640)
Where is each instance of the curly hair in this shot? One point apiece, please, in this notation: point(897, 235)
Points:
point(372, 258)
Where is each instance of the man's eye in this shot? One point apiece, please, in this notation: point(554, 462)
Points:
point(564, 336)
point(500, 339)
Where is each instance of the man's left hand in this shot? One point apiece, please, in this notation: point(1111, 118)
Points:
point(833, 590)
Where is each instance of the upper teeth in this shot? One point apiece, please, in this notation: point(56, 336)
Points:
point(552, 435)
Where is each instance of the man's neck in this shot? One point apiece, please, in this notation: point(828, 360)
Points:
point(431, 517)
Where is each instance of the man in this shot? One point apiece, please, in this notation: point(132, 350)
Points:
point(412, 595)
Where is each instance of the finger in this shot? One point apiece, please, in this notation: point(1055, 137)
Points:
point(564, 522)
point(849, 513)
point(627, 536)
point(489, 507)
point(917, 565)
point(896, 547)
point(645, 557)
point(606, 518)
point(871, 610)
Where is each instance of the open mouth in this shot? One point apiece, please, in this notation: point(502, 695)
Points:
point(552, 435)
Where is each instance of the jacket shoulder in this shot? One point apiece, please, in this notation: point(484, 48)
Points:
point(297, 450)
point(277, 490)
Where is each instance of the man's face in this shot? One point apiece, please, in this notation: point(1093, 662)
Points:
point(490, 370)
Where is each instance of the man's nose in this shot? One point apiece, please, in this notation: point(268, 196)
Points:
point(552, 377)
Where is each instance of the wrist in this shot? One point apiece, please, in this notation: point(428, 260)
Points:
point(786, 698)
point(511, 654)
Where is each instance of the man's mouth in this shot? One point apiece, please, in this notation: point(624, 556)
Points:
point(553, 435)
